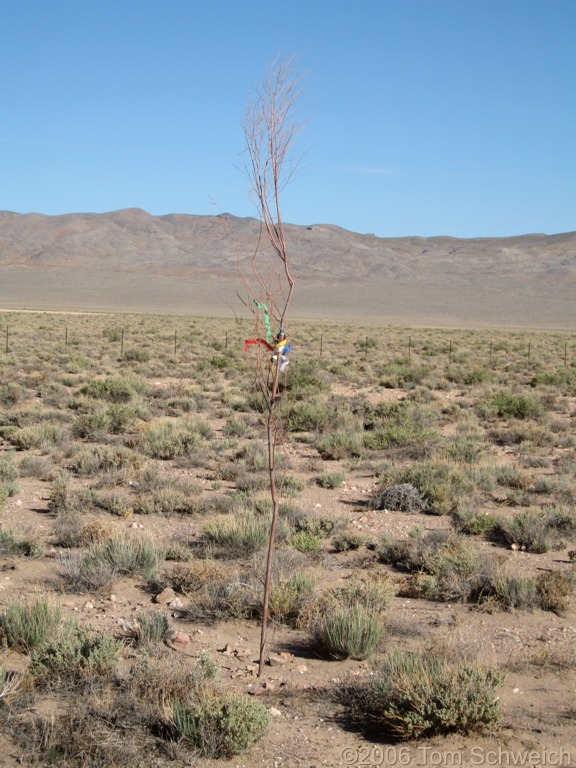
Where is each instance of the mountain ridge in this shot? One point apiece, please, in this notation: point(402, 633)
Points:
point(118, 249)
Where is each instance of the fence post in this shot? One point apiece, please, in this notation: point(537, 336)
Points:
point(66, 337)
point(450, 351)
point(409, 347)
point(122, 342)
point(565, 354)
point(321, 343)
point(529, 350)
point(6, 339)
point(490, 359)
point(175, 340)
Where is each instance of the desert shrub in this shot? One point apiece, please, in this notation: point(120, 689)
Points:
point(413, 695)
point(348, 632)
point(192, 577)
point(238, 535)
point(397, 425)
point(136, 355)
point(349, 621)
point(441, 483)
point(511, 476)
point(168, 501)
point(105, 458)
point(563, 377)
point(467, 445)
point(223, 600)
point(459, 374)
point(305, 380)
point(310, 415)
point(152, 627)
point(554, 589)
point(115, 501)
point(10, 394)
point(289, 595)
point(168, 440)
point(445, 566)
point(537, 529)
point(114, 389)
point(75, 654)
point(107, 560)
point(340, 443)
point(396, 375)
point(36, 466)
point(92, 425)
point(9, 473)
point(220, 724)
point(505, 404)
point(14, 541)
point(316, 524)
point(331, 479)
point(512, 590)
point(306, 542)
point(467, 518)
point(346, 541)
point(458, 572)
point(43, 436)
point(25, 625)
point(72, 530)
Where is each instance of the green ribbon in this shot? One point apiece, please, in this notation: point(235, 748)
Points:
point(266, 319)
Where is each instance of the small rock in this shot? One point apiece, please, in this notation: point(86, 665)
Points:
point(228, 649)
point(179, 638)
point(176, 603)
point(302, 669)
point(164, 597)
point(275, 712)
point(514, 547)
point(276, 660)
point(88, 606)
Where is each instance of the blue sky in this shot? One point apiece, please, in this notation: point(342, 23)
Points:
point(423, 117)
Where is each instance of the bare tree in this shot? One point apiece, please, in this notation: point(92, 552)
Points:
point(270, 128)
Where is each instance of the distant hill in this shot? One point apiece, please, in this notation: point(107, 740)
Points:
point(134, 261)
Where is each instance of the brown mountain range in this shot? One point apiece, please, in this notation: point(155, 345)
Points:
point(129, 260)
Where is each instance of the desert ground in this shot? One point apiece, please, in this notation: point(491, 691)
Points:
point(428, 486)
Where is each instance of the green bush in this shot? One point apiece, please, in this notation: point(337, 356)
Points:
point(349, 622)
point(348, 632)
point(105, 458)
point(168, 440)
point(115, 389)
point(420, 696)
point(441, 483)
point(506, 405)
point(75, 654)
point(220, 724)
point(25, 626)
point(152, 627)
